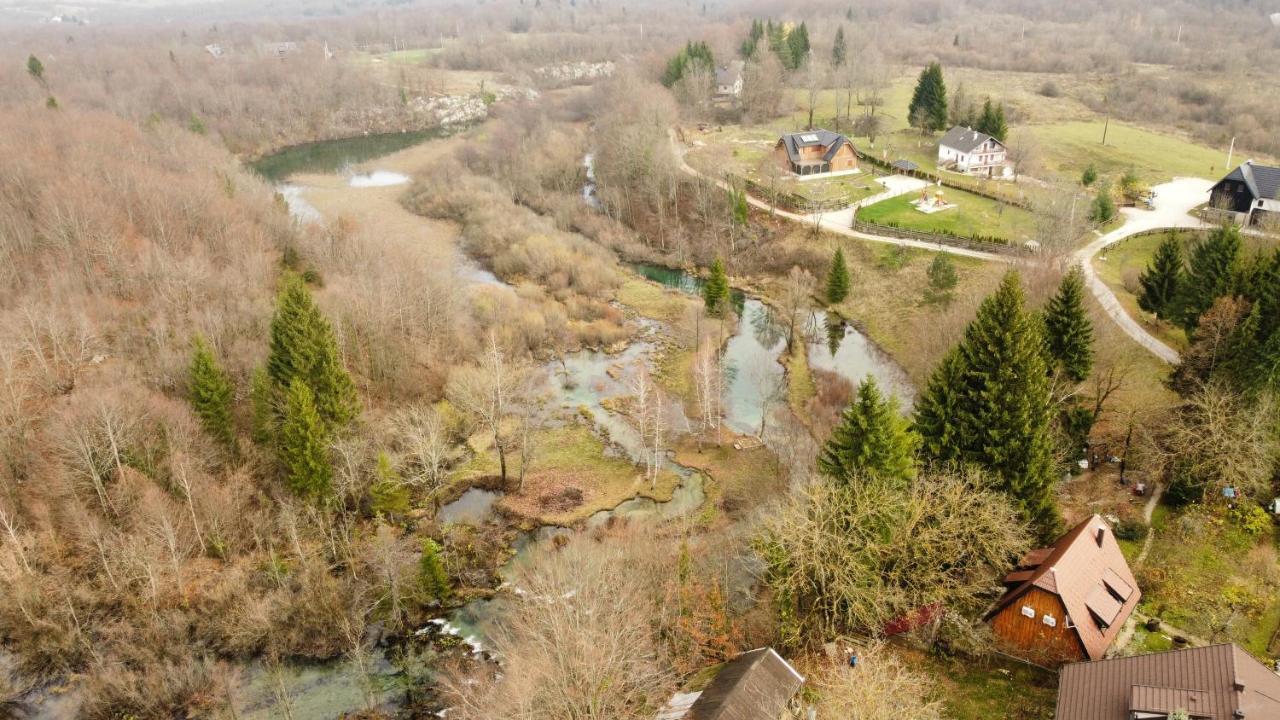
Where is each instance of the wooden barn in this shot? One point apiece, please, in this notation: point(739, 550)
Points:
point(815, 152)
point(1067, 602)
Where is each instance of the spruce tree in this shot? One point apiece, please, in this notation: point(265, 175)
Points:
point(262, 398)
point(837, 279)
point(1068, 328)
point(1211, 273)
point(433, 579)
point(989, 403)
point(388, 495)
point(1253, 352)
point(303, 346)
point(715, 293)
point(1089, 176)
point(928, 108)
point(304, 443)
point(873, 440)
point(999, 126)
point(986, 121)
point(798, 46)
point(838, 49)
point(1103, 207)
point(212, 394)
point(35, 68)
point(942, 278)
point(1161, 279)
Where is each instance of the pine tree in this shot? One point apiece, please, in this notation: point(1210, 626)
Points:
point(211, 395)
point(35, 68)
point(987, 119)
point(741, 209)
point(303, 346)
point(1103, 207)
point(1089, 176)
point(262, 398)
point(798, 46)
point(1252, 358)
point(838, 49)
point(1211, 273)
point(1068, 328)
point(837, 279)
point(433, 579)
point(1161, 279)
point(928, 108)
point(999, 126)
point(942, 278)
point(715, 294)
point(304, 443)
point(388, 495)
point(873, 439)
point(989, 403)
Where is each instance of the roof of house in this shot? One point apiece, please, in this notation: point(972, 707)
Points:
point(756, 685)
point(810, 138)
point(729, 74)
point(904, 165)
point(965, 140)
point(1263, 180)
point(1202, 681)
point(1087, 571)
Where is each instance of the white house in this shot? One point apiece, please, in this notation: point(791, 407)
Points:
point(968, 151)
point(729, 79)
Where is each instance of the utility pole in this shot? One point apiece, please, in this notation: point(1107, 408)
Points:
point(1105, 127)
point(1231, 152)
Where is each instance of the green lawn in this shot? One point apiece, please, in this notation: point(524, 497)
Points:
point(1068, 148)
point(1204, 573)
point(991, 689)
point(974, 216)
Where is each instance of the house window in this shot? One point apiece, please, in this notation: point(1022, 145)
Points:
point(1028, 611)
point(1069, 622)
point(1049, 620)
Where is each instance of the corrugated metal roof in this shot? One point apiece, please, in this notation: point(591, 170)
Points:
point(1108, 689)
point(1146, 698)
point(756, 685)
point(1077, 568)
point(810, 138)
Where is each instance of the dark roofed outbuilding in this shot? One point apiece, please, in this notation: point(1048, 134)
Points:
point(756, 685)
point(1248, 189)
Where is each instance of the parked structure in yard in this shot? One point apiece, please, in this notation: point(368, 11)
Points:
point(729, 79)
point(968, 151)
point(756, 685)
point(1249, 195)
point(815, 152)
point(1217, 682)
point(1067, 602)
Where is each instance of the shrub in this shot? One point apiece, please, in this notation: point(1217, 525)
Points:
point(1050, 89)
point(1131, 530)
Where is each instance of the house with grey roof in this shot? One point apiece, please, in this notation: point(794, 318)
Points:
point(816, 152)
point(1216, 682)
point(729, 79)
point(756, 685)
point(968, 151)
point(1248, 195)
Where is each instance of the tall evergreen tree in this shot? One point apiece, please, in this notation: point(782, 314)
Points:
point(1161, 279)
point(999, 128)
point(1211, 273)
point(433, 579)
point(715, 293)
point(872, 440)
point(1103, 207)
point(928, 108)
point(989, 403)
point(837, 279)
point(1069, 330)
point(262, 399)
point(212, 394)
point(798, 46)
point(304, 443)
point(942, 278)
point(1253, 352)
point(838, 49)
point(303, 346)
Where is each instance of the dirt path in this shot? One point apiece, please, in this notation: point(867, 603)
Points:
point(1174, 202)
point(1147, 511)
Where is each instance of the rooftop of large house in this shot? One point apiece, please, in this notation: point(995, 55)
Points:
point(1087, 570)
point(1217, 682)
point(964, 139)
point(729, 74)
point(756, 685)
point(831, 141)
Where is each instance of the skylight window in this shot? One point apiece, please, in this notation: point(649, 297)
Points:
point(809, 138)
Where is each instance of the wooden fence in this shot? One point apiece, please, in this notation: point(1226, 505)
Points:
point(940, 239)
point(957, 182)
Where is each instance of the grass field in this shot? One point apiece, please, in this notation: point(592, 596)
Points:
point(990, 689)
point(1119, 267)
point(973, 216)
point(1068, 148)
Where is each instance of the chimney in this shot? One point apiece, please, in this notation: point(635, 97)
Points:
point(1238, 685)
point(1102, 532)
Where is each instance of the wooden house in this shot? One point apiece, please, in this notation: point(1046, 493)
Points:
point(1067, 602)
point(756, 685)
point(729, 79)
point(815, 152)
point(1247, 195)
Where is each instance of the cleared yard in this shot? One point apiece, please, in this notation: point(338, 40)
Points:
point(973, 216)
point(1068, 148)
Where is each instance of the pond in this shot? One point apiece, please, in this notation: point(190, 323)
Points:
point(835, 346)
point(331, 156)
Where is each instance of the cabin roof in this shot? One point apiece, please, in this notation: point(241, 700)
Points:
point(1263, 180)
point(755, 685)
point(1087, 571)
point(794, 142)
point(729, 74)
point(1211, 683)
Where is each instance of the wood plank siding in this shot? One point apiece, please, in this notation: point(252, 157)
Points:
point(1033, 639)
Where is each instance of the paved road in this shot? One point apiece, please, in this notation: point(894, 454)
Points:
point(1173, 204)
